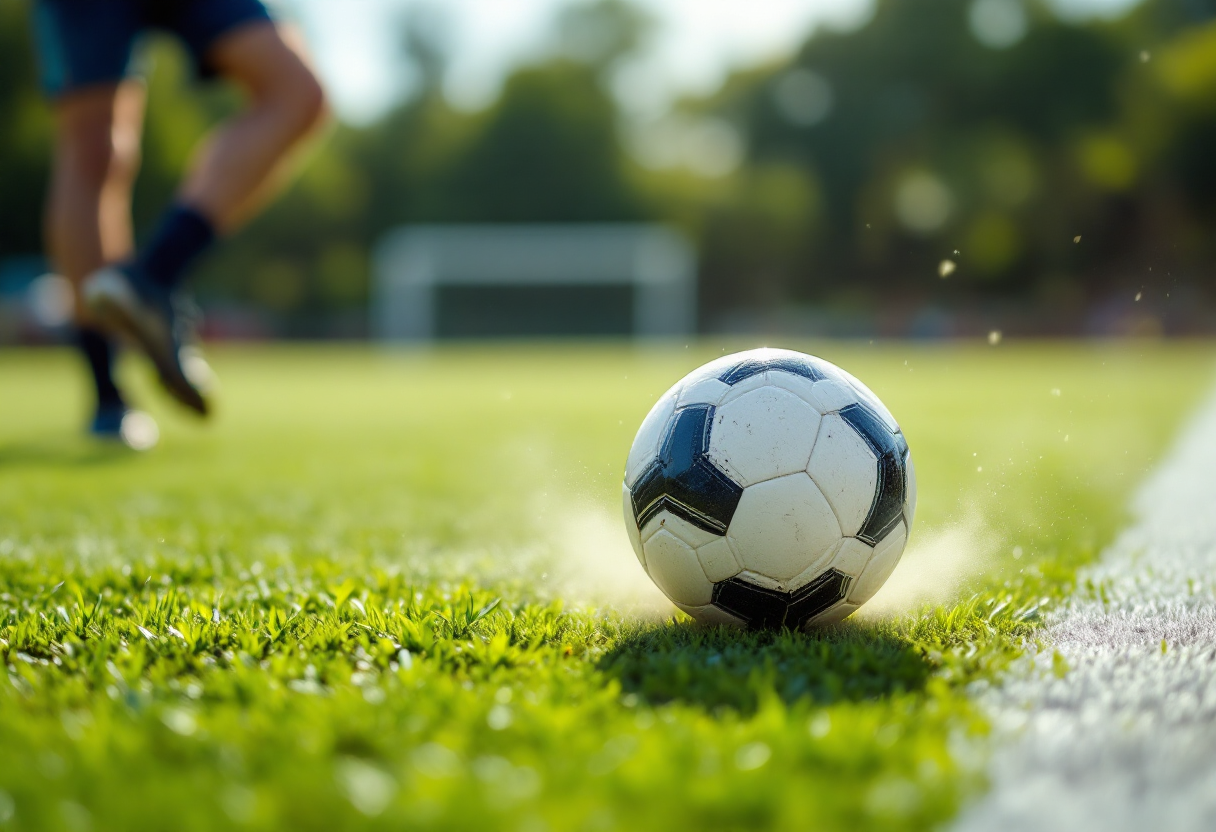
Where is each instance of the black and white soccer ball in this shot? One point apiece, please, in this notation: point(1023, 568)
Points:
point(769, 488)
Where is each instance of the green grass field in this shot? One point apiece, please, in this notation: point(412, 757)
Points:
point(391, 591)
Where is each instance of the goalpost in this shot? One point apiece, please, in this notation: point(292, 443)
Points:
point(470, 281)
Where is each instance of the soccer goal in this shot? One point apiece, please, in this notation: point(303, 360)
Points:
point(480, 281)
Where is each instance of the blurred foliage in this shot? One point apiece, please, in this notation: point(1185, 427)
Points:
point(24, 135)
point(990, 132)
point(937, 132)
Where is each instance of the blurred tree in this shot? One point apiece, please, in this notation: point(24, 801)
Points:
point(925, 139)
point(548, 151)
point(987, 131)
point(425, 44)
point(601, 33)
point(25, 136)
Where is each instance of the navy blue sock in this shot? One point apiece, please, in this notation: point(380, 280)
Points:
point(98, 351)
point(183, 234)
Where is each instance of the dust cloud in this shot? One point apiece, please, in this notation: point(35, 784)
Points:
point(593, 562)
point(585, 557)
point(936, 568)
point(579, 549)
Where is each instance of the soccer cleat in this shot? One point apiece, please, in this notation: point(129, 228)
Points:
point(147, 313)
point(118, 423)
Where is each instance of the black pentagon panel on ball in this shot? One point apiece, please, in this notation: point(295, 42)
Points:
point(760, 607)
point(892, 488)
point(683, 481)
point(818, 596)
point(749, 367)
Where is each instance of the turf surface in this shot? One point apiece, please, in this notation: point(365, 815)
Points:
point(391, 591)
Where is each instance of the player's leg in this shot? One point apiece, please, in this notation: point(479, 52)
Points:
point(246, 159)
point(96, 159)
point(82, 164)
point(237, 168)
point(84, 52)
point(88, 223)
point(244, 162)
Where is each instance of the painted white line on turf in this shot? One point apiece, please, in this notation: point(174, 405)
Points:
point(1118, 732)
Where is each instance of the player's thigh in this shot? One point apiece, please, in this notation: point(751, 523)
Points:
point(269, 61)
point(239, 40)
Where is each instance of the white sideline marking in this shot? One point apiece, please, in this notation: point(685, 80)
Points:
point(1126, 738)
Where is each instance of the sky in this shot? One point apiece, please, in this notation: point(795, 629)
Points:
point(698, 42)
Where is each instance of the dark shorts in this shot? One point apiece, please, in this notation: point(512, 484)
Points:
point(86, 42)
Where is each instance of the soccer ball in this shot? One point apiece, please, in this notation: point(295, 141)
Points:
point(769, 488)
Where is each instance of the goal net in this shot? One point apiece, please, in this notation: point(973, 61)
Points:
point(484, 281)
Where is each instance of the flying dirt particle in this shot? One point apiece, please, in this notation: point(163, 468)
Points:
point(1055, 391)
point(1144, 56)
point(946, 268)
point(1077, 239)
point(994, 337)
point(1138, 296)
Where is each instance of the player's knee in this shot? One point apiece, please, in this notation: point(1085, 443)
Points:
point(300, 99)
point(309, 103)
point(89, 152)
point(97, 154)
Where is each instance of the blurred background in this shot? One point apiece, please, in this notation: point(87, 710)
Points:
point(858, 168)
